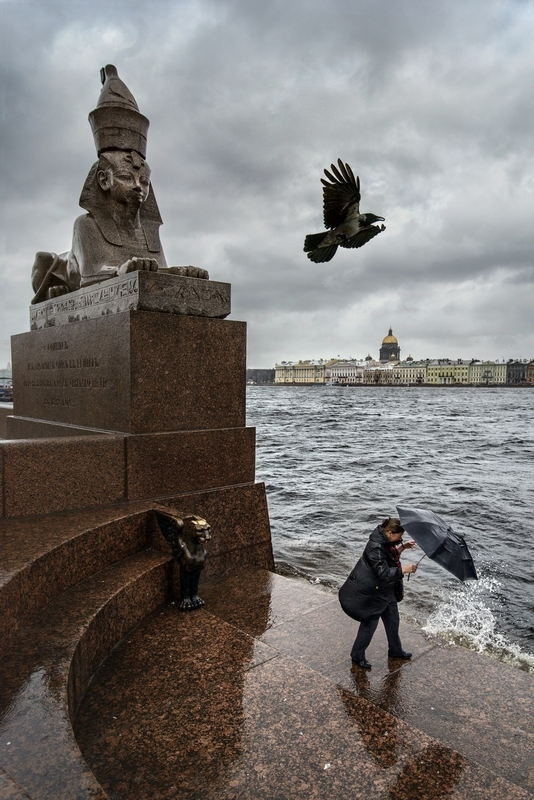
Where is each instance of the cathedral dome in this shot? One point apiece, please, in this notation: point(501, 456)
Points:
point(390, 350)
point(390, 339)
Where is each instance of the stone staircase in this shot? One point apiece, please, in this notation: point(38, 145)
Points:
point(65, 605)
point(72, 584)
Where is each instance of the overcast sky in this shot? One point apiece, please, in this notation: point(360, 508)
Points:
point(431, 103)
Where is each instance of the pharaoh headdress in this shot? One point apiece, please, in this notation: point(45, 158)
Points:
point(117, 124)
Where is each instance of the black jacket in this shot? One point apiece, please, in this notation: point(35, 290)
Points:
point(374, 582)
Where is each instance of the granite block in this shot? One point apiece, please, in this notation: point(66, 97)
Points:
point(50, 475)
point(5, 410)
point(238, 516)
point(135, 372)
point(146, 291)
point(187, 373)
point(78, 374)
point(255, 556)
point(42, 556)
point(187, 461)
point(185, 708)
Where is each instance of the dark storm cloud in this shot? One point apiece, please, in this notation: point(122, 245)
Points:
point(430, 103)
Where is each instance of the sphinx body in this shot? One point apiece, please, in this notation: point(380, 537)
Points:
point(120, 231)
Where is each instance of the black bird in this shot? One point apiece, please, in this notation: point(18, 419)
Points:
point(341, 210)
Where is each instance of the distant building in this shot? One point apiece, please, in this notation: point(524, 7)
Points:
point(516, 372)
point(6, 376)
point(260, 376)
point(410, 372)
point(485, 372)
point(302, 372)
point(345, 373)
point(445, 371)
point(390, 371)
point(390, 350)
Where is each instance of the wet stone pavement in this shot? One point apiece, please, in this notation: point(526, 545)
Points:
point(255, 696)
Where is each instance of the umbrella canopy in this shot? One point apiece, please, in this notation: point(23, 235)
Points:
point(439, 542)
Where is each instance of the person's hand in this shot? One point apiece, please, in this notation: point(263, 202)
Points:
point(409, 545)
point(409, 568)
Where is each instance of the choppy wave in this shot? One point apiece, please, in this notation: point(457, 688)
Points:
point(464, 618)
point(336, 462)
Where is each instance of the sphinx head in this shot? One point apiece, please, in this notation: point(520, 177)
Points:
point(123, 177)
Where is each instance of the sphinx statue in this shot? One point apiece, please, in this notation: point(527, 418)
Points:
point(120, 231)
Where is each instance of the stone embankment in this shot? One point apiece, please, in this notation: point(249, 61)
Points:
point(253, 696)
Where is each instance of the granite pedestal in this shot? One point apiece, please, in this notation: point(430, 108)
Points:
point(131, 372)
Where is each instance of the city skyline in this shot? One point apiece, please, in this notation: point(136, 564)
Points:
point(391, 341)
point(248, 103)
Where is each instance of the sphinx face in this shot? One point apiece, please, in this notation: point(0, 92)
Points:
point(126, 178)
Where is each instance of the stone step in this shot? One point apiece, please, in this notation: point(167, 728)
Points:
point(43, 556)
point(40, 557)
point(49, 665)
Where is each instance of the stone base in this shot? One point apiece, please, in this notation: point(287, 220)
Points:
point(135, 372)
point(28, 428)
point(66, 474)
point(137, 291)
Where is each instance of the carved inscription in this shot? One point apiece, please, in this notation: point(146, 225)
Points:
point(57, 346)
point(53, 373)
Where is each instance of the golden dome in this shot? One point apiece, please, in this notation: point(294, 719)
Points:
point(390, 339)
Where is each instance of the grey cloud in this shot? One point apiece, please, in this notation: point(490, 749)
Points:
point(430, 103)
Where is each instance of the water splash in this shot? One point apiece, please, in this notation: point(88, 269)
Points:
point(463, 617)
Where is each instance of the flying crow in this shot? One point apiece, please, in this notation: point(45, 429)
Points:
point(341, 209)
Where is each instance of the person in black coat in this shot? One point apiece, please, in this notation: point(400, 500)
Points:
point(374, 587)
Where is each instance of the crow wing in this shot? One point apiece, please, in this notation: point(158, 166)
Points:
point(363, 236)
point(340, 194)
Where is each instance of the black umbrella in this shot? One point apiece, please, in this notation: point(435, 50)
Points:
point(439, 541)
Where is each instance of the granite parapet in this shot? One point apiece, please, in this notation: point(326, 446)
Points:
point(42, 556)
point(42, 476)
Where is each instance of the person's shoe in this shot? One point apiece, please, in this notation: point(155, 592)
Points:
point(402, 654)
point(363, 664)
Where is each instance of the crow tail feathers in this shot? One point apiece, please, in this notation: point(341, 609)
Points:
point(316, 253)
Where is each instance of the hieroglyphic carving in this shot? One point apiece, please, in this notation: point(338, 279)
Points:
point(143, 291)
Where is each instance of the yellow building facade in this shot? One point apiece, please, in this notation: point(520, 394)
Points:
point(445, 372)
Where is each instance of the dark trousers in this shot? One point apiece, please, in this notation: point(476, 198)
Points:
point(390, 618)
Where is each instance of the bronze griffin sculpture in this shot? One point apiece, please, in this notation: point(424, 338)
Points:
point(187, 536)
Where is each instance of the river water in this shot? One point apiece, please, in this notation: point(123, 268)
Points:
point(336, 461)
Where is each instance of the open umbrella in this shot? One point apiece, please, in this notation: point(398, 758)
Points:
point(439, 542)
